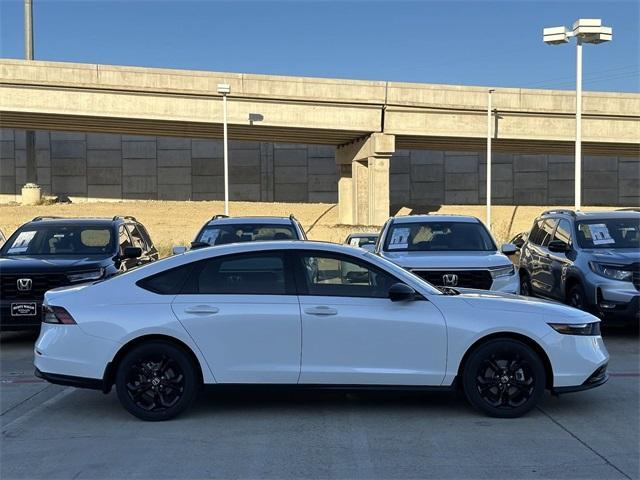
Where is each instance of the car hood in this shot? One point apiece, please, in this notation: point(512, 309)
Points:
point(46, 264)
point(617, 256)
point(412, 260)
point(506, 302)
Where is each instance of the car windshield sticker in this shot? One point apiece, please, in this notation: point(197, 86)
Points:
point(600, 234)
point(209, 236)
point(399, 238)
point(21, 244)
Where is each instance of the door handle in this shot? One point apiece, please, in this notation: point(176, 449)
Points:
point(321, 310)
point(202, 309)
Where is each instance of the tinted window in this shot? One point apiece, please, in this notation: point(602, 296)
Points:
point(136, 237)
point(342, 276)
point(169, 282)
point(247, 274)
point(546, 231)
point(438, 236)
point(609, 233)
point(61, 240)
point(563, 232)
point(535, 235)
point(232, 233)
point(123, 238)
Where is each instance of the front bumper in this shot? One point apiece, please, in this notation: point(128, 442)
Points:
point(11, 322)
point(597, 378)
point(507, 284)
point(619, 312)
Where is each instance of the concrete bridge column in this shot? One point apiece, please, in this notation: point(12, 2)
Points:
point(363, 185)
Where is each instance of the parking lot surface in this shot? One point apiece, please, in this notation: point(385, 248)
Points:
point(51, 431)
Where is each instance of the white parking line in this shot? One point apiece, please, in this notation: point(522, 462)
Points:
point(37, 409)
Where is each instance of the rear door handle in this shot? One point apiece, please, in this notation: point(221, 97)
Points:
point(202, 309)
point(321, 310)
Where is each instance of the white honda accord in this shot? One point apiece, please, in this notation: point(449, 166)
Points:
point(308, 314)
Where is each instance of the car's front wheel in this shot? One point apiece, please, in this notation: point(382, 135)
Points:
point(156, 381)
point(504, 378)
point(525, 284)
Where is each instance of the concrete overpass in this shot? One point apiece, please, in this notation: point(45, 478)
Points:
point(366, 120)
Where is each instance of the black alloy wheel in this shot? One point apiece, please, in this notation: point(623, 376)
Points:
point(504, 378)
point(156, 381)
point(576, 297)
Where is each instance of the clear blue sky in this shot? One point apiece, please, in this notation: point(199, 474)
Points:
point(493, 43)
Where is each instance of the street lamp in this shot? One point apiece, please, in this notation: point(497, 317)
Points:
point(224, 90)
point(585, 30)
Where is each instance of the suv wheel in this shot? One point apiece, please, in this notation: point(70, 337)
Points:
point(576, 297)
point(156, 381)
point(525, 285)
point(504, 378)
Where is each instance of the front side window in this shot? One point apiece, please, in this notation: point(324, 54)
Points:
point(243, 274)
point(563, 232)
point(546, 231)
point(342, 276)
point(136, 237)
point(60, 240)
point(233, 233)
point(609, 233)
point(439, 236)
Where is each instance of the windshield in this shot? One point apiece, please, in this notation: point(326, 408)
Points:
point(60, 240)
point(609, 233)
point(232, 233)
point(439, 236)
point(363, 240)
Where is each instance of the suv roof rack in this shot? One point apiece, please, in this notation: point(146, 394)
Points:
point(44, 217)
point(218, 216)
point(559, 211)
point(124, 217)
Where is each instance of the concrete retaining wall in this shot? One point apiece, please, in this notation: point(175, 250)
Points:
point(89, 166)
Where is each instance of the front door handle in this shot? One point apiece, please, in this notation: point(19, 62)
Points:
point(321, 310)
point(202, 310)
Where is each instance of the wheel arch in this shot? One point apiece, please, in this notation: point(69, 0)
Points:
point(530, 342)
point(111, 368)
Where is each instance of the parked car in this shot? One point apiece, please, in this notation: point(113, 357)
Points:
point(449, 251)
point(222, 229)
point(362, 240)
point(50, 252)
point(284, 313)
point(518, 241)
point(589, 260)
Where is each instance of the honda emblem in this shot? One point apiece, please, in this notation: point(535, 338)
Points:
point(24, 284)
point(450, 280)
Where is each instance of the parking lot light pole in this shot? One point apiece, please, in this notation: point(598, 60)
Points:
point(489, 135)
point(585, 30)
point(224, 90)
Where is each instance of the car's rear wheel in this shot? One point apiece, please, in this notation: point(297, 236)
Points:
point(525, 284)
point(504, 378)
point(156, 381)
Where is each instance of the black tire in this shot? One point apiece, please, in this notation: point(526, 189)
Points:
point(503, 378)
point(577, 298)
point(525, 285)
point(156, 381)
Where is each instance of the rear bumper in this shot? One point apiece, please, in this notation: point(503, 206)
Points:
point(71, 381)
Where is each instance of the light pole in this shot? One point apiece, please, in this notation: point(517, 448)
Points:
point(489, 135)
point(585, 30)
point(30, 135)
point(224, 90)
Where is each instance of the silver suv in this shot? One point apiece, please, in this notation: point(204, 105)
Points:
point(449, 251)
point(588, 260)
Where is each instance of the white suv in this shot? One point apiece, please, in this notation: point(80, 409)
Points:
point(449, 251)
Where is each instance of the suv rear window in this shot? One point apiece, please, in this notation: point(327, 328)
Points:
point(439, 236)
point(233, 233)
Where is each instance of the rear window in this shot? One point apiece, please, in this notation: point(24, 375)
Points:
point(234, 233)
point(169, 282)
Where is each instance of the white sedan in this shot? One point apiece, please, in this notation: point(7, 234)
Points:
point(308, 314)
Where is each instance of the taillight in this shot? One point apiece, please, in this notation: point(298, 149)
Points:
point(58, 315)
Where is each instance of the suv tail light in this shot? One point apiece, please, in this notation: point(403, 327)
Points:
point(56, 315)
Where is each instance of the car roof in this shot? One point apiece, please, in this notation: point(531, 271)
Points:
point(76, 220)
point(245, 220)
point(434, 218)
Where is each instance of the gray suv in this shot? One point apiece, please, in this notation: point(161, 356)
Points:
point(590, 261)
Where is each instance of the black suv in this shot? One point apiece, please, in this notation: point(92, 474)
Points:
point(50, 252)
point(590, 260)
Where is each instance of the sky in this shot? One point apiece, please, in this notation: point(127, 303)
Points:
point(473, 42)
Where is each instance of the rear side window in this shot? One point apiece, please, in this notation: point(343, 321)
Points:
point(547, 231)
point(136, 237)
point(169, 282)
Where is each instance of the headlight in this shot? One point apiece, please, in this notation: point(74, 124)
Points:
point(592, 328)
point(502, 271)
point(615, 272)
point(85, 276)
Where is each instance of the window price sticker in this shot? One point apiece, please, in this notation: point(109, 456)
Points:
point(399, 238)
point(600, 234)
point(21, 244)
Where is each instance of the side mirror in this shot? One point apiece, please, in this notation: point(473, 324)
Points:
point(131, 252)
point(401, 291)
point(509, 248)
point(558, 246)
point(177, 250)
